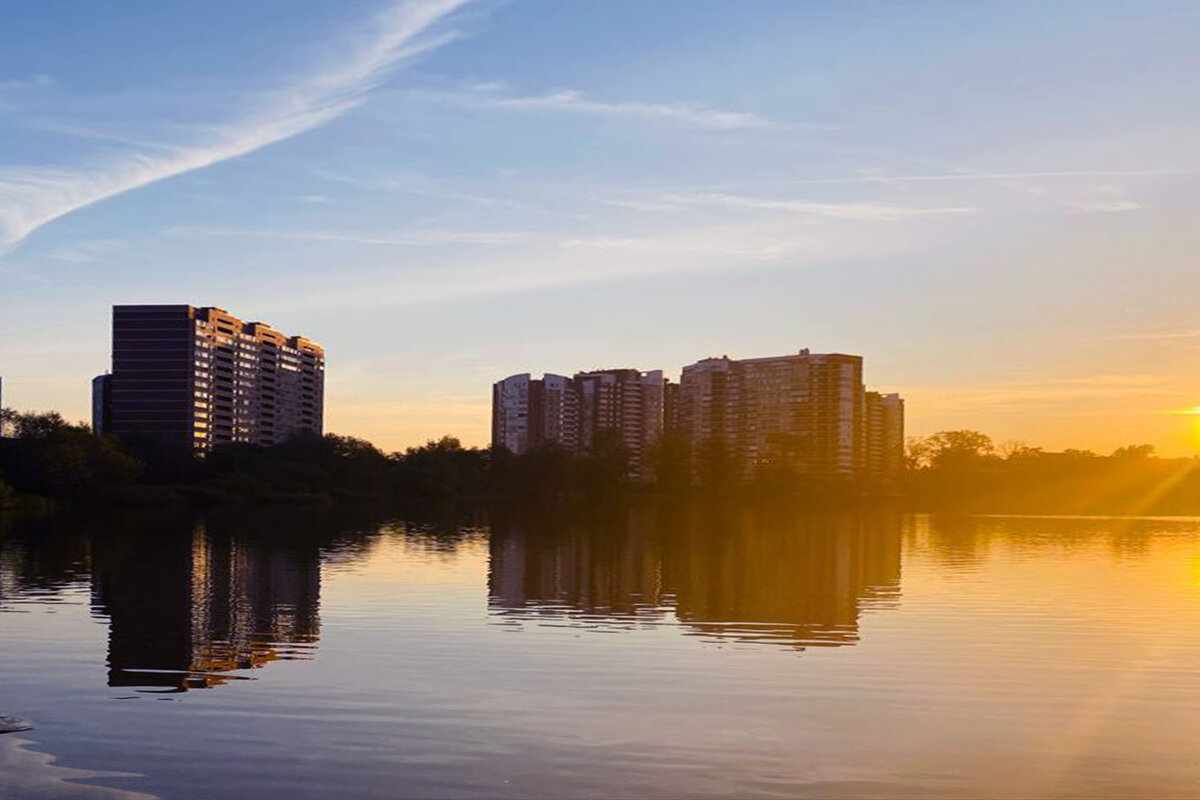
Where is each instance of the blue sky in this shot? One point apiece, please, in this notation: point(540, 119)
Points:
point(994, 203)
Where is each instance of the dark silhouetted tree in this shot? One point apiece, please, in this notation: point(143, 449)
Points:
point(48, 455)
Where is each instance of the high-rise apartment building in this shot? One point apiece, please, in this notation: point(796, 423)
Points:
point(804, 412)
point(572, 412)
point(628, 402)
point(885, 436)
point(200, 377)
point(527, 412)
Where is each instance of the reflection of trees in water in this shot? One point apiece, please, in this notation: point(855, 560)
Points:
point(958, 543)
point(440, 531)
point(724, 571)
point(963, 543)
point(43, 561)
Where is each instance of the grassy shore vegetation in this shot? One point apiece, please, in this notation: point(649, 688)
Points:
point(48, 460)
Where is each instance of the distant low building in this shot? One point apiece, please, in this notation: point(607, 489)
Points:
point(101, 404)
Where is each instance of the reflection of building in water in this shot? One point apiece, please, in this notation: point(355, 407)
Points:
point(614, 572)
point(10, 583)
point(186, 608)
point(800, 581)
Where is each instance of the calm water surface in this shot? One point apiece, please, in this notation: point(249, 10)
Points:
point(698, 653)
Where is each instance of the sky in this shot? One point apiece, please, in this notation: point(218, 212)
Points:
point(995, 204)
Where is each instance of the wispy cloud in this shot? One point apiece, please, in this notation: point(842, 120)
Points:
point(31, 197)
point(86, 252)
point(414, 184)
point(1084, 395)
point(1164, 337)
point(956, 176)
point(9, 84)
point(1106, 199)
point(862, 212)
point(1107, 206)
point(11, 87)
point(687, 113)
point(559, 263)
point(414, 238)
point(666, 245)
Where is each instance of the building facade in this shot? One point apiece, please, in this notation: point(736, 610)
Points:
point(885, 436)
point(200, 377)
point(573, 412)
point(101, 404)
point(527, 412)
point(629, 403)
point(806, 413)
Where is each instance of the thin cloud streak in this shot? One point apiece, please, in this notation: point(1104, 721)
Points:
point(687, 113)
point(1099, 392)
point(849, 211)
point(414, 184)
point(599, 260)
point(15, 86)
point(33, 197)
point(415, 238)
point(1165, 336)
point(964, 176)
point(861, 212)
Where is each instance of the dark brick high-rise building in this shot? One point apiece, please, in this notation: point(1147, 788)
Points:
point(199, 377)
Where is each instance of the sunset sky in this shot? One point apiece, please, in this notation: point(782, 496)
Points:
point(997, 205)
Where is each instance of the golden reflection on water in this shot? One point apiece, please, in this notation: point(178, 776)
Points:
point(710, 650)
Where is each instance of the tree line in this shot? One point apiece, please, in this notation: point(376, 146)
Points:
point(45, 455)
point(966, 470)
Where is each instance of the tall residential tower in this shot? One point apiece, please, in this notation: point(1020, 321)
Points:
point(527, 412)
point(200, 377)
point(806, 412)
point(572, 412)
